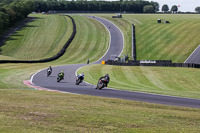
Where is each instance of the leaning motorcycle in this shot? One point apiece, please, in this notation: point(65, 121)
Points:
point(48, 73)
point(60, 78)
point(102, 83)
point(79, 80)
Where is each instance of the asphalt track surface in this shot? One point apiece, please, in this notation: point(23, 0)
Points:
point(116, 47)
point(194, 57)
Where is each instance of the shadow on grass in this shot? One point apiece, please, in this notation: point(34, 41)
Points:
point(30, 26)
point(10, 39)
point(13, 32)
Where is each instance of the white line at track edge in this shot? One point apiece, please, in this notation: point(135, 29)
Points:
point(191, 54)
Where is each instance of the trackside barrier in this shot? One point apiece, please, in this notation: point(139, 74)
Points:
point(159, 63)
point(103, 62)
point(133, 43)
point(58, 55)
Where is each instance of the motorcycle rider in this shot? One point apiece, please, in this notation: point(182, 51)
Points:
point(105, 77)
point(61, 74)
point(81, 76)
point(49, 70)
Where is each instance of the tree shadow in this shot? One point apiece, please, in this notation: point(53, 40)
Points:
point(13, 32)
point(38, 18)
point(30, 26)
point(10, 39)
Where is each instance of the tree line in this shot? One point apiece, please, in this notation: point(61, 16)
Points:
point(13, 10)
point(135, 6)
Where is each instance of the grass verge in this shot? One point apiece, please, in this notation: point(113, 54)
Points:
point(184, 82)
point(39, 39)
point(40, 111)
point(174, 41)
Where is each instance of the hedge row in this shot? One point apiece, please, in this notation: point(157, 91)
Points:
point(58, 55)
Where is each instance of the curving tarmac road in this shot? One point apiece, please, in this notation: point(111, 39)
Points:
point(116, 47)
point(194, 57)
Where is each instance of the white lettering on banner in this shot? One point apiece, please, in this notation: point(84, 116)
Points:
point(147, 61)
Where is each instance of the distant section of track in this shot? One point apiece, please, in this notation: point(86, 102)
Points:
point(194, 57)
point(115, 48)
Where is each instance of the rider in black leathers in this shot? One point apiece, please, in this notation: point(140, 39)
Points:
point(105, 77)
point(81, 76)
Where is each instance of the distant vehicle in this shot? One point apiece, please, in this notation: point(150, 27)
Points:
point(117, 16)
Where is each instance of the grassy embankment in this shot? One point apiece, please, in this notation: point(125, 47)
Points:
point(174, 41)
point(158, 41)
point(87, 44)
point(39, 39)
point(41, 111)
point(184, 82)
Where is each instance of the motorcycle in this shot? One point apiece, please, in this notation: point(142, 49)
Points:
point(79, 80)
point(102, 83)
point(49, 73)
point(60, 78)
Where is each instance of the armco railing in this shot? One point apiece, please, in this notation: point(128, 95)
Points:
point(133, 43)
point(159, 63)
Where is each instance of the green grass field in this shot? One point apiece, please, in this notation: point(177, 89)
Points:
point(183, 82)
point(23, 109)
point(39, 39)
point(91, 42)
point(174, 41)
point(49, 112)
point(87, 44)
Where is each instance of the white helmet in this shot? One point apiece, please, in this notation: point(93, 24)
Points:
point(82, 74)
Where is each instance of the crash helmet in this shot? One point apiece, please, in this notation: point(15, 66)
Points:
point(82, 74)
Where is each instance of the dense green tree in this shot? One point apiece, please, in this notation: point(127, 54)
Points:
point(155, 6)
point(14, 10)
point(174, 9)
point(3, 21)
point(197, 9)
point(165, 8)
point(148, 9)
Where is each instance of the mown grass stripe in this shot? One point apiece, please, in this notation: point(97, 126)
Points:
point(37, 39)
point(159, 41)
point(169, 81)
point(91, 42)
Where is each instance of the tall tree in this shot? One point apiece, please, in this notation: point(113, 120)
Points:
point(174, 9)
point(148, 9)
point(197, 9)
point(165, 8)
point(155, 5)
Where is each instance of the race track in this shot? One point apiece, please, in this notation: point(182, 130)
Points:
point(116, 47)
point(194, 57)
